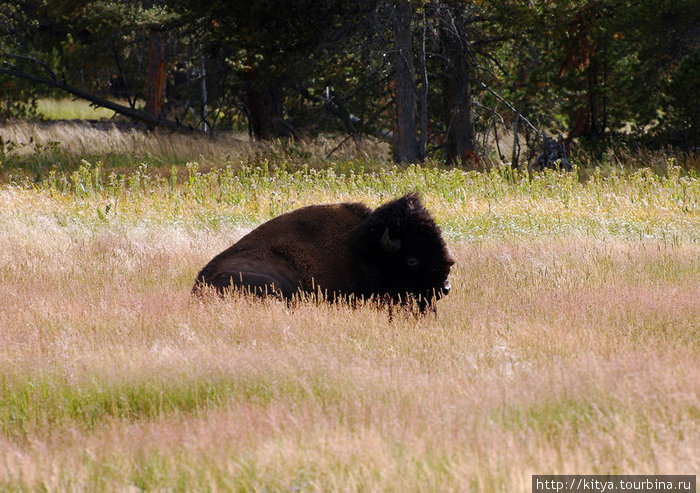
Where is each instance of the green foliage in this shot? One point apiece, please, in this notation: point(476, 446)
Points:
point(18, 100)
point(683, 105)
point(597, 71)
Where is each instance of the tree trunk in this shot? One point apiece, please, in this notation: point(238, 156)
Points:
point(516, 142)
point(423, 97)
point(457, 94)
point(593, 98)
point(596, 105)
point(155, 82)
point(405, 142)
point(205, 122)
point(265, 107)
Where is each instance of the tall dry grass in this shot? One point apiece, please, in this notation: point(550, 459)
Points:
point(33, 149)
point(570, 342)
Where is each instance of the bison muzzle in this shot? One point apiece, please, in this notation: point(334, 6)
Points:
point(394, 253)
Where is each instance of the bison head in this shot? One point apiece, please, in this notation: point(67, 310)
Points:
point(401, 252)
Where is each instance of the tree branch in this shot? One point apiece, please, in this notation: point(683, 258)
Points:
point(139, 115)
point(32, 60)
point(510, 107)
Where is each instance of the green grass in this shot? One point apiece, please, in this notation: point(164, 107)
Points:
point(468, 205)
point(71, 109)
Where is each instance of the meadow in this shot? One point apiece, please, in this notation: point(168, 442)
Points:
point(569, 344)
point(71, 109)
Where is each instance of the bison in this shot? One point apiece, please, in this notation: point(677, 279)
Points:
point(394, 253)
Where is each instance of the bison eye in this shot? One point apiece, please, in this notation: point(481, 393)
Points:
point(412, 262)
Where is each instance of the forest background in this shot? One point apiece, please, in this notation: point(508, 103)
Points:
point(467, 83)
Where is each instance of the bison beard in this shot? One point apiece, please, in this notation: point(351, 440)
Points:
point(395, 253)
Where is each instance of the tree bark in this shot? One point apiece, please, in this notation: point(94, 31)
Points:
point(516, 142)
point(596, 106)
point(205, 122)
point(155, 82)
point(423, 96)
point(405, 142)
point(265, 109)
point(457, 94)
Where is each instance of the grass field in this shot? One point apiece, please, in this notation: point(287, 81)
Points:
point(570, 342)
point(32, 149)
point(71, 109)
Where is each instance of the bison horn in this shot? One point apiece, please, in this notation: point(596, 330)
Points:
point(389, 245)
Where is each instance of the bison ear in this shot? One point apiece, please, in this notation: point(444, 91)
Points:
point(389, 245)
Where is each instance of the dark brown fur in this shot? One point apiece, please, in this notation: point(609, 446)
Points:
point(337, 249)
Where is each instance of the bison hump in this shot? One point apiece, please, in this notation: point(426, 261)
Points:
point(313, 242)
